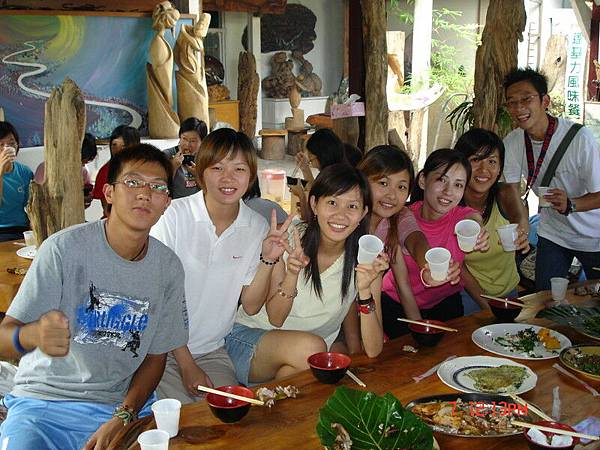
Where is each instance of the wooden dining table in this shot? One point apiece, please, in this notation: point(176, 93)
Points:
point(291, 423)
point(10, 282)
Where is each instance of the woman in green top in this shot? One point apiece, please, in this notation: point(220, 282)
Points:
point(493, 272)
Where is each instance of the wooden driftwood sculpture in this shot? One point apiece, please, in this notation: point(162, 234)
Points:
point(162, 120)
point(58, 202)
point(248, 93)
point(192, 93)
point(282, 79)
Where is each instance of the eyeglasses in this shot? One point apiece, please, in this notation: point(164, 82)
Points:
point(135, 183)
point(525, 101)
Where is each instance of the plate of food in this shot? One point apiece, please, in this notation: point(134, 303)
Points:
point(487, 374)
point(584, 359)
point(520, 341)
point(471, 415)
point(27, 252)
point(584, 319)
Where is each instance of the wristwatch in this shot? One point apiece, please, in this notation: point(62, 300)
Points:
point(571, 208)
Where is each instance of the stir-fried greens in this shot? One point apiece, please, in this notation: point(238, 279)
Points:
point(586, 362)
point(525, 342)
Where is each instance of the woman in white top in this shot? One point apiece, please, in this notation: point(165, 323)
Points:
point(312, 293)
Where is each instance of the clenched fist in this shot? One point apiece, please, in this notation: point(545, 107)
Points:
point(53, 334)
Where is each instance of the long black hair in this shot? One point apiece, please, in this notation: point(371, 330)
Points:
point(326, 146)
point(446, 158)
point(334, 180)
point(481, 144)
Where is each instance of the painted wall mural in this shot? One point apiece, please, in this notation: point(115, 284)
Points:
point(105, 56)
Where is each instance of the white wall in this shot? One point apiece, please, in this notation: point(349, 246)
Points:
point(327, 57)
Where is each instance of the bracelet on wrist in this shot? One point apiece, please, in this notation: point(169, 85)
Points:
point(366, 306)
point(283, 294)
point(125, 413)
point(17, 342)
point(268, 262)
point(422, 280)
point(366, 301)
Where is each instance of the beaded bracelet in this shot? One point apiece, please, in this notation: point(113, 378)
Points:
point(125, 413)
point(267, 262)
point(17, 343)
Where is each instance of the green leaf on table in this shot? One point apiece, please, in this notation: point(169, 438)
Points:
point(372, 422)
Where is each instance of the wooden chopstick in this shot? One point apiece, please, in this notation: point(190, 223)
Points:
point(555, 430)
point(425, 324)
point(355, 378)
point(505, 300)
point(530, 407)
point(230, 395)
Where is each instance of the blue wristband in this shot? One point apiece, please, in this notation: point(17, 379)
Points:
point(17, 342)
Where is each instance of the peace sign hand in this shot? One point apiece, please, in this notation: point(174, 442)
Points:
point(273, 244)
point(297, 260)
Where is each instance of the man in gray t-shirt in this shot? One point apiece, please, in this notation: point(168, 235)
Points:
point(99, 309)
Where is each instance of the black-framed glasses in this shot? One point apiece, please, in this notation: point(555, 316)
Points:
point(525, 101)
point(136, 183)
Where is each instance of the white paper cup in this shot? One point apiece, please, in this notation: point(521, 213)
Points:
point(466, 232)
point(166, 414)
point(559, 288)
point(29, 238)
point(154, 440)
point(508, 235)
point(11, 151)
point(438, 259)
point(369, 246)
point(543, 203)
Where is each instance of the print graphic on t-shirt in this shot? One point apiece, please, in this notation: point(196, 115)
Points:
point(111, 318)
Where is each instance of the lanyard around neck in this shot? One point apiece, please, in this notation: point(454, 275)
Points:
point(533, 172)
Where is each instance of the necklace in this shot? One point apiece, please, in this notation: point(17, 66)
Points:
point(140, 252)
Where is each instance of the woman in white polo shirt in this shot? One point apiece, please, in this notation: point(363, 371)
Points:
point(313, 292)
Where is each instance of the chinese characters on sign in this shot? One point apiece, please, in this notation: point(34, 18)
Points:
point(576, 50)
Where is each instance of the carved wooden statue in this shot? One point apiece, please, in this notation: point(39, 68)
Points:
point(248, 93)
point(58, 202)
point(282, 79)
point(162, 120)
point(192, 93)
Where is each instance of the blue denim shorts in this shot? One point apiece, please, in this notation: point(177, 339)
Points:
point(241, 344)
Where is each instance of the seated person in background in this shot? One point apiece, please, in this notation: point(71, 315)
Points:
point(89, 150)
point(312, 293)
point(14, 186)
point(263, 206)
point(191, 133)
point(93, 332)
point(493, 272)
point(436, 200)
point(121, 137)
point(391, 176)
point(228, 253)
point(569, 227)
point(323, 149)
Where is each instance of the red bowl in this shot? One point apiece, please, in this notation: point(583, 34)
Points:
point(505, 312)
point(425, 335)
point(227, 409)
point(545, 423)
point(329, 367)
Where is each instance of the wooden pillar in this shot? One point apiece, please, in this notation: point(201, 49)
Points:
point(495, 57)
point(254, 45)
point(421, 60)
point(375, 52)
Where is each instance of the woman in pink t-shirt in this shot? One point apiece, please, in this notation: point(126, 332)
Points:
point(391, 176)
point(435, 205)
